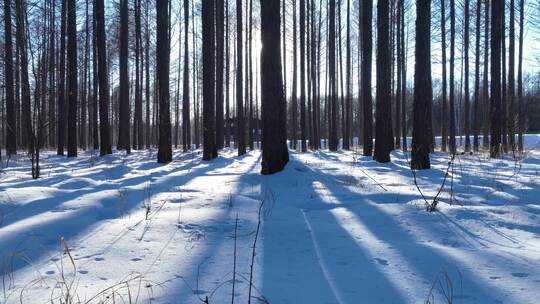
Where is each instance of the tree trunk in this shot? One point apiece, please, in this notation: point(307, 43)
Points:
point(485, 84)
point(274, 137)
point(384, 140)
point(123, 111)
point(26, 120)
point(52, 77)
point(452, 142)
point(367, 44)
point(209, 123)
point(476, 110)
point(72, 78)
point(103, 75)
point(423, 92)
point(163, 59)
point(294, 93)
point(240, 123)
point(220, 45)
point(467, 96)
point(521, 115)
point(495, 98)
point(303, 127)
point(186, 130)
point(511, 79)
point(11, 132)
point(333, 140)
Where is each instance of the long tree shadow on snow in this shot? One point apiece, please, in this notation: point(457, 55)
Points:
point(366, 210)
point(27, 240)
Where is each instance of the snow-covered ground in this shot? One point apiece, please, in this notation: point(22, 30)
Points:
point(335, 228)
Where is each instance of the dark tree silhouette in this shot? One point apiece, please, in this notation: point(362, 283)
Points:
point(452, 142)
point(220, 45)
point(466, 81)
point(333, 140)
point(163, 60)
point(511, 78)
point(274, 137)
point(103, 73)
point(26, 120)
point(209, 123)
point(476, 109)
point(384, 140)
point(521, 115)
point(367, 44)
point(72, 86)
point(497, 9)
point(240, 123)
point(123, 111)
point(423, 92)
point(303, 127)
point(186, 130)
point(11, 123)
point(444, 110)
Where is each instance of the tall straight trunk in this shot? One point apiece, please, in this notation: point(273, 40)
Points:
point(511, 79)
point(95, 87)
point(72, 85)
point(284, 51)
point(399, 51)
point(220, 45)
point(452, 114)
point(137, 122)
point(103, 75)
point(11, 127)
point(249, 78)
point(423, 91)
point(309, 80)
point(340, 58)
point(227, 79)
point(294, 93)
point(367, 45)
point(333, 140)
point(274, 137)
point(403, 79)
point(348, 86)
point(186, 130)
point(521, 115)
point(315, 82)
point(52, 76)
point(177, 100)
point(466, 85)
point(303, 126)
point(444, 110)
point(147, 76)
point(84, 101)
point(21, 36)
point(384, 140)
point(123, 111)
point(163, 59)
point(476, 109)
point(495, 94)
point(240, 123)
point(209, 123)
point(485, 83)
point(504, 99)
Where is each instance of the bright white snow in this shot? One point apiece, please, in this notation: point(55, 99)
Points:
point(336, 228)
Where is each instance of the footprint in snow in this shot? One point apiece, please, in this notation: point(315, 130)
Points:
point(382, 261)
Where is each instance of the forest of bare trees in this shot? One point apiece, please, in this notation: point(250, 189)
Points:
point(292, 74)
